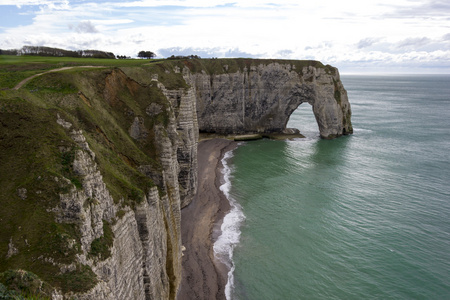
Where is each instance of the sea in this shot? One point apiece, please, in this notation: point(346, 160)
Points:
point(363, 216)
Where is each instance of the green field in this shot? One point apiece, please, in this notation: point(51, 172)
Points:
point(14, 69)
point(34, 151)
point(37, 155)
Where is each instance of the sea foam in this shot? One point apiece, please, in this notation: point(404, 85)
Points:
point(230, 229)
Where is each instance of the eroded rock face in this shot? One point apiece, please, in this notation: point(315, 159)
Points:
point(261, 98)
point(183, 101)
point(145, 251)
point(145, 260)
point(92, 204)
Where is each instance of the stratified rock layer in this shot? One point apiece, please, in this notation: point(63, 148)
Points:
point(260, 99)
point(124, 163)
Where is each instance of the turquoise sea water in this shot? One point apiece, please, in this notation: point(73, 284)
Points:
point(365, 216)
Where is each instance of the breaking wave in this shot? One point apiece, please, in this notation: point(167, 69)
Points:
point(230, 229)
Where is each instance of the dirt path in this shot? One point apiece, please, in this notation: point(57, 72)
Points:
point(20, 84)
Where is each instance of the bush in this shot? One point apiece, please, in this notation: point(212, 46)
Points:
point(20, 284)
point(101, 247)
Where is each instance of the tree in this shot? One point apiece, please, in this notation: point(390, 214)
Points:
point(146, 54)
point(184, 57)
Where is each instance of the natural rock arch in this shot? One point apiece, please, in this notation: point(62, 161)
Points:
point(303, 119)
point(261, 98)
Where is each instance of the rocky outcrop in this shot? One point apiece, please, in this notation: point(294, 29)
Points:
point(92, 204)
point(259, 98)
point(145, 256)
point(124, 162)
point(183, 102)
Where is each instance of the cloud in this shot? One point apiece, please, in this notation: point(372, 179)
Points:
point(239, 53)
point(422, 8)
point(413, 42)
point(20, 3)
point(84, 27)
point(285, 53)
point(205, 3)
point(367, 42)
point(344, 32)
point(166, 52)
point(203, 52)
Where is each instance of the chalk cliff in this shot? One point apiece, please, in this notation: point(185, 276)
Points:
point(261, 96)
point(97, 164)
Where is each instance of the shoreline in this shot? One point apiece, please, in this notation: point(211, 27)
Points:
point(203, 275)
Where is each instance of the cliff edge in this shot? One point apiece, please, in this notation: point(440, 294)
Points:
point(258, 96)
point(98, 163)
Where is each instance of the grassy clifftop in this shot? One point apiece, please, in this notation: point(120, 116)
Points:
point(37, 155)
point(13, 69)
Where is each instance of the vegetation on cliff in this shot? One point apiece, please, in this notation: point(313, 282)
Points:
point(37, 156)
point(116, 107)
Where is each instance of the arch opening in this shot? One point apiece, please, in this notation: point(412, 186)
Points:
point(303, 119)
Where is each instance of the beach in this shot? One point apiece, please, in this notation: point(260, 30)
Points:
point(204, 276)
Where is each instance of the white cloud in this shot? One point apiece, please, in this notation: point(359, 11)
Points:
point(54, 4)
point(367, 42)
point(84, 27)
point(29, 2)
point(414, 43)
point(336, 32)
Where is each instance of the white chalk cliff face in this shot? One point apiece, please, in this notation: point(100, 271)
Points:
point(261, 98)
point(254, 100)
point(151, 111)
point(145, 256)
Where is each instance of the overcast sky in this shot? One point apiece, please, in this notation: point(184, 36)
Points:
point(401, 36)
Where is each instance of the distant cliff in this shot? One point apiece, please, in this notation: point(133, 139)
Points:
point(97, 164)
point(259, 96)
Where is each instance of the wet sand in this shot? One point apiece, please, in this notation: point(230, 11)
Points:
point(203, 276)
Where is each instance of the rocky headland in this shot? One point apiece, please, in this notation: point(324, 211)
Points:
point(97, 165)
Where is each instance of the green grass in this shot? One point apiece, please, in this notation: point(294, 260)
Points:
point(101, 247)
point(79, 280)
point(14, 69)
point(228, 65)
point(19, 284)
point(217, 66)
point(67, 159)
point(37, 154)
point(30, 159)
point(70, 61)
point(337, 92)
point(59, 83)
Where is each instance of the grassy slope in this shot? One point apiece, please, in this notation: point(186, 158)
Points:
point(13, 69)
point(36, 153)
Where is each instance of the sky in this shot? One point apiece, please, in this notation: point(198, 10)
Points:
point(357, 36)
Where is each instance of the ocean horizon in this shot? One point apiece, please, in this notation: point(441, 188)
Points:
point(364, 216)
